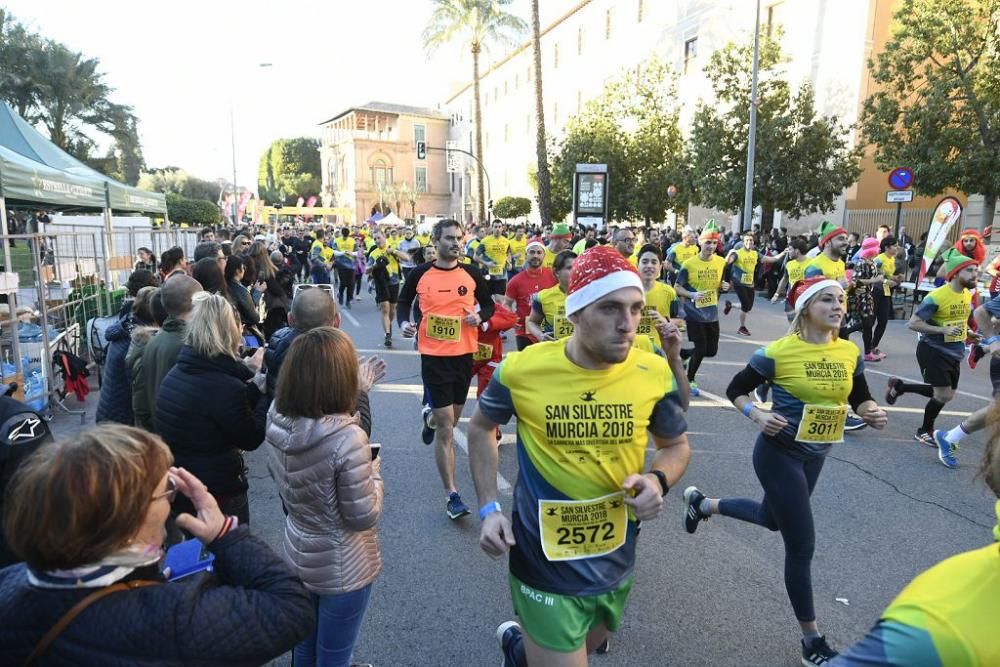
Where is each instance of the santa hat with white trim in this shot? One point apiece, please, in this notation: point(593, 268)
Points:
point(596, 273)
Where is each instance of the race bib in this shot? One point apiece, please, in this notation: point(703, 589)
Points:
point(497, 270)
point(444, 328)
point(960, 338)
point(562, 327)
point(483, 353)
point(578, 529)
point(710, 298)
point(886, 289)
point(746, 278)
point(822, 424)
point(647, 324)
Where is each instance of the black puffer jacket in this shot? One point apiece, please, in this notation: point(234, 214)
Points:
point(116, 387)
point(251, 609)
point(205, 413)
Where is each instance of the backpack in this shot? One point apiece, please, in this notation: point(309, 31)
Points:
point(22, 432)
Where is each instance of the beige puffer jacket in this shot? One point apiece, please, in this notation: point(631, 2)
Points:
point(333, 492)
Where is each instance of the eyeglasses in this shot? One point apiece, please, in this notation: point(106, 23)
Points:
point(170, 493)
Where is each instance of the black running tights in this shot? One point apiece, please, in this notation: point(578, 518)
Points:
point(705, 336)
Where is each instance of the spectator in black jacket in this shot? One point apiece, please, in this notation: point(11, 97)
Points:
point(89, 513)
point(239, 295)
point(205, 406)
point(115, 404)
point(314, 307)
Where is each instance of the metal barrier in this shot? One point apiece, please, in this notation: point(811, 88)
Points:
point(916, 221)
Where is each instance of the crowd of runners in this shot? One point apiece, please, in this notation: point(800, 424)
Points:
point(579, 336)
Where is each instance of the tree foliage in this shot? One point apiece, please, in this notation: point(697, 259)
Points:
point(192, 211)
point(48, 83)
point(512, 207)
point(803, 159)
point(289, 169)
point(937, 109)
point(633, 128)
point(174, 180)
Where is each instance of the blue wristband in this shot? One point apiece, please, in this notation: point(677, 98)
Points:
point(991, 340)
point(487, 509)
point(747, 409)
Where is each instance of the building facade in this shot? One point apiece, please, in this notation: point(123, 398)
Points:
point(368, 155)
point(826, 44)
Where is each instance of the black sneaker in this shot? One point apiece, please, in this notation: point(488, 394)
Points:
point(456, 508)
point(388, 340)
point(604, 648)
point(728, 307)
point(692, 509)
point(427, 432)
point(894, 391)
point(510, 636)
point(817, 652)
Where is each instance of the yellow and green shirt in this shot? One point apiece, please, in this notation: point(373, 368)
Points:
point(680, 253)
point(550, 303)
point(661, 299)
point(517, 250)
point(888, 267)
point(744, 266)
point(821, 265)
point(944, 307)
point(705, 276)
point(580, 433)
point(496, 250)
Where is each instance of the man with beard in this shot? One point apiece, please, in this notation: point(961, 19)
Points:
point(449, 293)
point(522, 288)
point(942, 324)
point(572, 535)
point(559, 239)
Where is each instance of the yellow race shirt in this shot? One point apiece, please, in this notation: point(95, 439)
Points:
point(392, 267)
point(888, 267)
point(393, 241)
point(496, 250)
point(346, 245)
point(699, 275)
point(944, 307)
point(550, 303)
point(324, 251)
point(681, 253)
point(517, 250)
point(796, 270)
point(809, 382)
point(821, 265)
point(550, 258)
point(580, 433)
point(744, 266)
point(424, 239)
point(661, 299)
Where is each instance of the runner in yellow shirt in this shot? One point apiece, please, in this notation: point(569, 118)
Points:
point(548, 320)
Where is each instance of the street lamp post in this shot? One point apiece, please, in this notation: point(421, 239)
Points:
point(752, 143)
point(232, 137)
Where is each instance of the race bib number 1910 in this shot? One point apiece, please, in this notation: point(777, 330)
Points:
point(577, 529)
point(444, 328)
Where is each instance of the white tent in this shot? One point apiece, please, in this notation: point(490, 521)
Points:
point(391, 220)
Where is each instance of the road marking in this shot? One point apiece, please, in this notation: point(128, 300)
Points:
point(747, 341)
point(382, 350)
point(869, 369)
point(502, 483)
point(350, 318)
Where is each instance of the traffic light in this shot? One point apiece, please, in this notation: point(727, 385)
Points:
point(421, 150)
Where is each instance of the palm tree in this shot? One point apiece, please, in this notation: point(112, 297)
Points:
point(544, 191)
point(477, 23)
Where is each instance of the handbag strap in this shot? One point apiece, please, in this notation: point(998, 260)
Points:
point(75, 611)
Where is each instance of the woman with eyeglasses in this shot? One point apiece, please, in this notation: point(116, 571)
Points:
point(205, 409)
point(88, 517)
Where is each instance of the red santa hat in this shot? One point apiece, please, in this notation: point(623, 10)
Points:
point(596, 273)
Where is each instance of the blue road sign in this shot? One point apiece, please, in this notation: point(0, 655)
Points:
point(901, 178)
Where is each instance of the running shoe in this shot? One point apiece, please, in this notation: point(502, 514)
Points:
point(743, 331)
point(604, 647)
point(728, 307)
point(388, 340)
point(976, 352)
point(692, 509)
point(348, 305)
point(509, 636)
point(456, 508)
point(760, 393)
point(694, 389)
point(817, 652)
point(894, 391)
point(880, 353)
point(854, 423)
point(871, 357)
point(427, 432)
point(946, 449)
point(926, 438)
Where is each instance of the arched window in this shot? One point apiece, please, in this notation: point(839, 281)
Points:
point(381, 172)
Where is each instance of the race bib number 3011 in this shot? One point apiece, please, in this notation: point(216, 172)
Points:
point(822, 424)
point(577, 529)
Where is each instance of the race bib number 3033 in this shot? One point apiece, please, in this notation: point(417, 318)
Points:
point(577, 529)
point(709, 298)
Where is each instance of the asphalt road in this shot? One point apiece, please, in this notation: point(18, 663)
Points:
point(885, 510)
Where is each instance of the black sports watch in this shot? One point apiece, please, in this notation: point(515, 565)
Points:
point(662, 479)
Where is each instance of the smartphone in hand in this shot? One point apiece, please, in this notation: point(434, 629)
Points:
point(376, 448)
point(187, 558)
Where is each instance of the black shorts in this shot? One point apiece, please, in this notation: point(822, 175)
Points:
point(446, 379)
point(498, 286)
point(937, 369)
point(745, 293)
point(386, 292)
